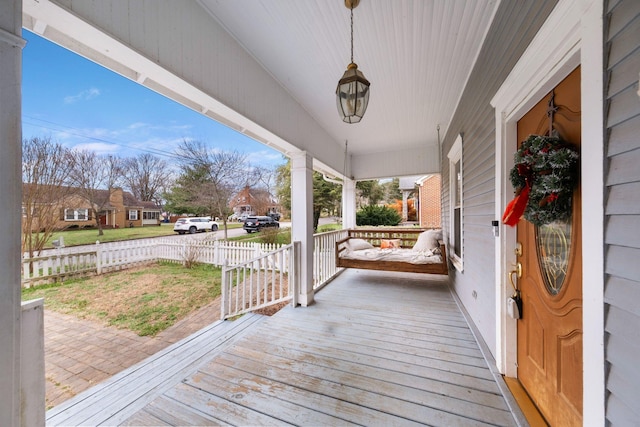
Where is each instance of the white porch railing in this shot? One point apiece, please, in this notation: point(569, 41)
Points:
point(260, 282)
point(324, 256)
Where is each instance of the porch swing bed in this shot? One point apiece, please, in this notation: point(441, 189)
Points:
point(406, 250)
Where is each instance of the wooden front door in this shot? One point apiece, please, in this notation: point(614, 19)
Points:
point(550, 331)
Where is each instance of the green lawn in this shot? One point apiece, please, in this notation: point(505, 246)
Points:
point(145, 300)
point(89, 236)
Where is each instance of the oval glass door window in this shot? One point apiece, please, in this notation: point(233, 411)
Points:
point(553, 245)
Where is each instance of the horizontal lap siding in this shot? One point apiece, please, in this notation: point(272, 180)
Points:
point(515, 24)
point(622, 212)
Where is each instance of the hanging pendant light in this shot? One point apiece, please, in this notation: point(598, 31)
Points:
point(352, 93)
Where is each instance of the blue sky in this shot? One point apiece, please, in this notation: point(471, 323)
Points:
point(82, 105)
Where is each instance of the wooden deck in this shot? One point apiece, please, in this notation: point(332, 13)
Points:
point(375, 349)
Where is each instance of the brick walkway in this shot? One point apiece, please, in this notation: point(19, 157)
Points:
point(82, 353)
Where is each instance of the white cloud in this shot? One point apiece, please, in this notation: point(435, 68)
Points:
point(98, 147)
point(137, 125)
point(85, 95)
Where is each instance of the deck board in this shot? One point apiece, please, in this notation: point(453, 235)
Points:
point(374, 349)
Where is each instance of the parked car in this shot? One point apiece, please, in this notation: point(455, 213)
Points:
point(274, 215)
point(257, 223)
point(195, 224)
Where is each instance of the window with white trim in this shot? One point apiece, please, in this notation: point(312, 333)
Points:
point(150, 215)
point(76, 214)
point(455, 204)
point(133, 215)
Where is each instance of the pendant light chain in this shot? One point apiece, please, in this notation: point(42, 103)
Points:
point(352, 32)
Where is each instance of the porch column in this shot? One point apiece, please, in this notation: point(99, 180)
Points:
point(405, 207)
point(302, 220)
point(11, 44)
point(348, 203)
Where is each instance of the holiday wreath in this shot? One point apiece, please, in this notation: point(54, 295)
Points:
point(544, 176)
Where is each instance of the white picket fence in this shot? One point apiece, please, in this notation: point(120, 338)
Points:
point(58, 264)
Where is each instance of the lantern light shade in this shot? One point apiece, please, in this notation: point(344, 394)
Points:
point(352, 95)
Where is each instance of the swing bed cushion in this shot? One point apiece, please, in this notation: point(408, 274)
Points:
point(372, 251)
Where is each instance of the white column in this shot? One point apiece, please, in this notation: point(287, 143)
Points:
point(348, 203)
point(11, 44)
point(302, 221)
point(405, 208)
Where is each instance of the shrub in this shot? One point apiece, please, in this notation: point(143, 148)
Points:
point(275, 236)
point(377, 215)
point(269, 235)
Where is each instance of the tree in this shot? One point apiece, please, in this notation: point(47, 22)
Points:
point(283, 185)
point(44, 172)
point(326, 195)
point(261, 201)
point(208, 179)
point(412, 214)
point(94, 178)
point(371, 191)
point(146, 177)
point(263, 177)
point(392, 190)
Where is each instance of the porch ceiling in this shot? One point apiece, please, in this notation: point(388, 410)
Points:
point(417, 54)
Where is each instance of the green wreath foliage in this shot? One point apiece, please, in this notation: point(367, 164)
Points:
point(550, 166)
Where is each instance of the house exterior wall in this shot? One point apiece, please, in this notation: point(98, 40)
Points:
point(430, 209)
point(622, 212)
point(117, 212)
point(518, 22)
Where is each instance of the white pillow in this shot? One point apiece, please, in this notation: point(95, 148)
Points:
point(358, 244)
point(428, 240)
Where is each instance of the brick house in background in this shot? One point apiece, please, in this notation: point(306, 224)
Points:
point(121, 210)
point(253, 201)
point(429, 204)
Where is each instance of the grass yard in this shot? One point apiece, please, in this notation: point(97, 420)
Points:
point(89, 236)
point(145, 300)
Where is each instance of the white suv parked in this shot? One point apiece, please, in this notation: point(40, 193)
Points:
point(195, 224)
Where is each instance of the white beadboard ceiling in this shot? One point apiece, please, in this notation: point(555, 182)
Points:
point(417, 54)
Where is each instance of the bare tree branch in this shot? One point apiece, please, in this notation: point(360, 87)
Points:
point(146, 176)
point(44, 172)
point(94, 178)
point(213, 176)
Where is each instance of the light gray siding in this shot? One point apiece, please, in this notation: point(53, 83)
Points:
point(516, 22)
point(622, 212)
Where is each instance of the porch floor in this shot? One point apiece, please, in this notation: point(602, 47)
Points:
point(376, 348)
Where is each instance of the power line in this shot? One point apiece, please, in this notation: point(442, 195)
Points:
point(77, 132)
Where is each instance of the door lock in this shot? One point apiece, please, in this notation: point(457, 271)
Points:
point(518, 272)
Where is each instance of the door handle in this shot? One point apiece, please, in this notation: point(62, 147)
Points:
point(518, 272)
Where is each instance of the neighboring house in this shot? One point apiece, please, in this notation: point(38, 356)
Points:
point(429, 204)
point(577, 346)
point(253, 201)
point(121, 210)
point(407, 185)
